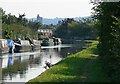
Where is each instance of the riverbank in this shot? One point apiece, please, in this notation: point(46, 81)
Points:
point(83, 66)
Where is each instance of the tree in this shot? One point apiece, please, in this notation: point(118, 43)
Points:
point(69, 28)
point(13, 27)
point(108, 25)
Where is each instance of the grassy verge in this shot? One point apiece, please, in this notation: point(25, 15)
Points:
point(83, 66)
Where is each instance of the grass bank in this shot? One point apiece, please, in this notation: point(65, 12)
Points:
point(83, 66)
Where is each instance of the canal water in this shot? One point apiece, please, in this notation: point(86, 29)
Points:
point(22, 67)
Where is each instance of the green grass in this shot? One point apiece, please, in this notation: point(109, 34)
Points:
point(83, 66)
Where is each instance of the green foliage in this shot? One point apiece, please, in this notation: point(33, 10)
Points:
point(15, 31)
point(108, 25)
point(70, 29)
point(17, 67)
point(18, 27)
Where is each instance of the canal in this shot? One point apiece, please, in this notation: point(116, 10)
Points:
point(22, 67)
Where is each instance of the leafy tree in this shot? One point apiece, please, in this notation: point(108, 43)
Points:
point(69, 28)
point(13, 27)
point(108, 25)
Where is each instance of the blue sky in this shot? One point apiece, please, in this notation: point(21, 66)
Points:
point(48, 8)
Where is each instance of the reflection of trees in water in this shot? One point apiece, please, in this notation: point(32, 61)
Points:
point(71, 50)
point(63, 52)
point(17, 67)
point(58, 50)
point(34, 60)
point(0, 69)
point(20, 66)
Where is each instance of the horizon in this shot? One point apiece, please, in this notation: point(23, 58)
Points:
point(59, 17)
point(48, 9)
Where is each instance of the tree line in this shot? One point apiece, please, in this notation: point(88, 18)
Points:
point(71, 29)
point(18, 27)
point(107, 17)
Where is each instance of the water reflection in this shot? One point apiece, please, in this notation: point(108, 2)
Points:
point(21, 67)
point(10, 60)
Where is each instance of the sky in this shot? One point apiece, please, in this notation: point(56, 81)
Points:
point(48, 8)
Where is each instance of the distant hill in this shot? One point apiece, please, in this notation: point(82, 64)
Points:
point(54, 21)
